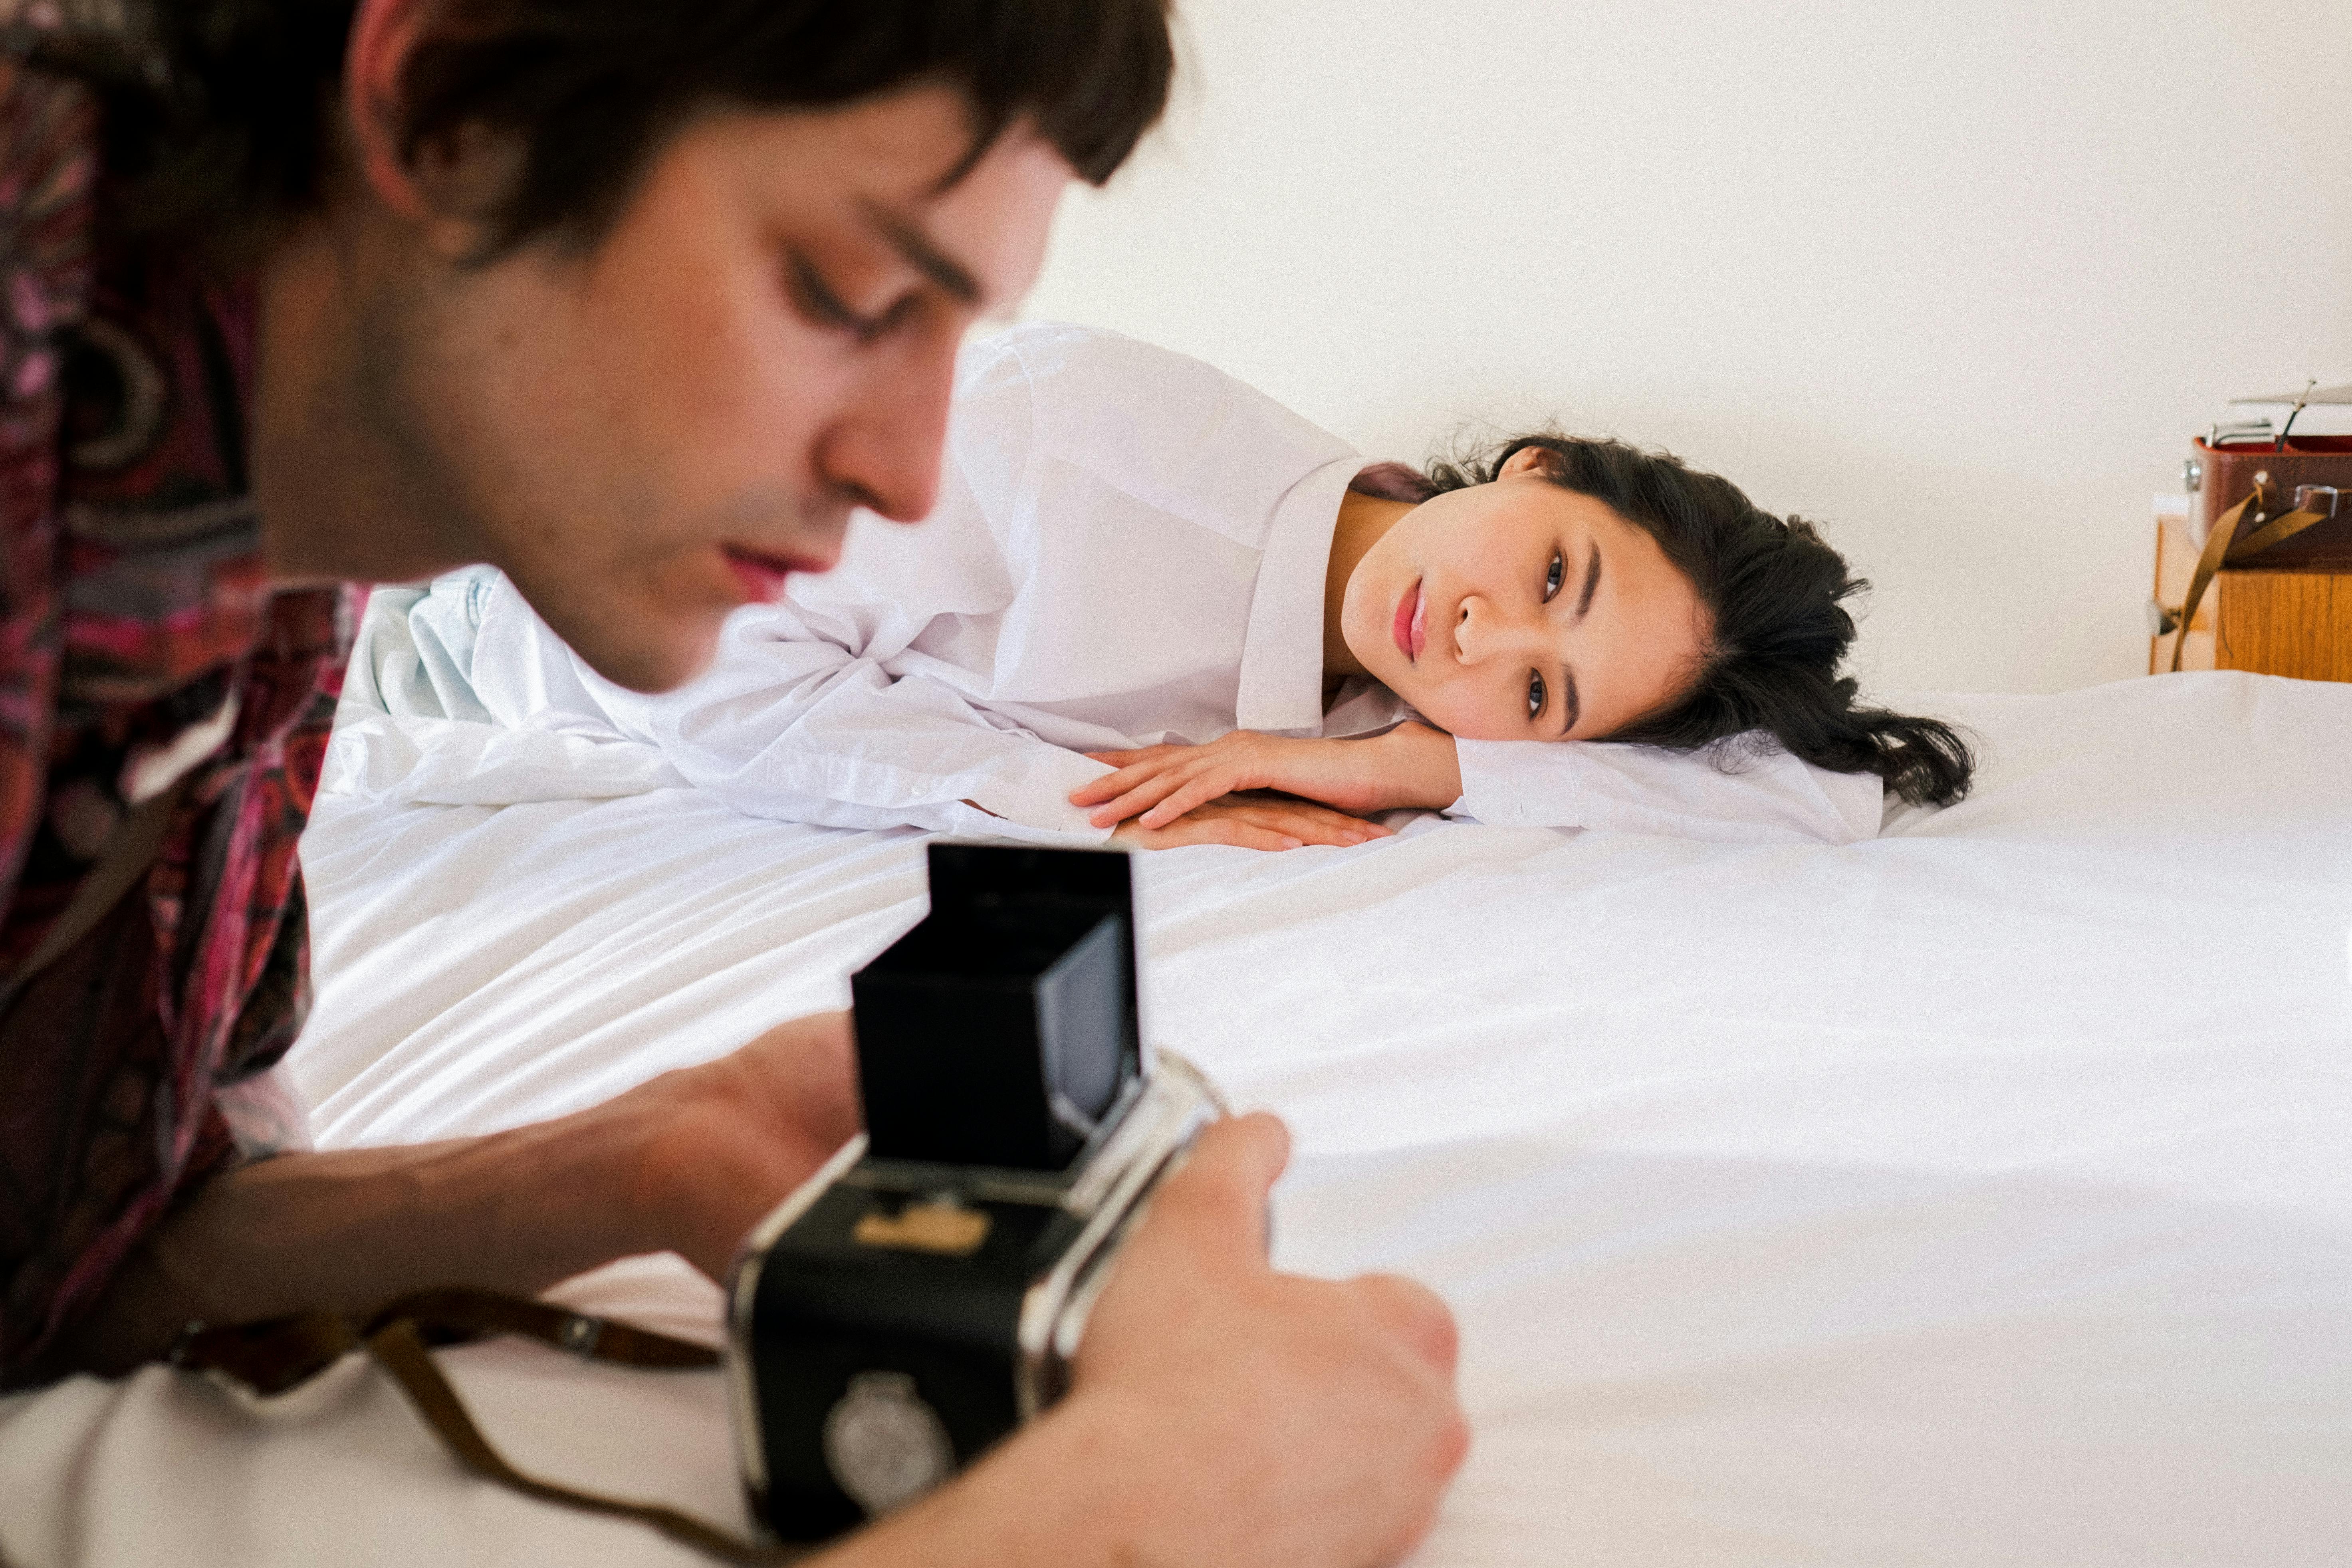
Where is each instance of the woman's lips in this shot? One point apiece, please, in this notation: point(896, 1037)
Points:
point(764, 576)
point(1407, 628)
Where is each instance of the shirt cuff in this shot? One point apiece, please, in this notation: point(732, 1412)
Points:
point(1036, 801)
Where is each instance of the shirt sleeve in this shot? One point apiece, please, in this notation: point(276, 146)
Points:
point(791, 723)
point(1735, 793)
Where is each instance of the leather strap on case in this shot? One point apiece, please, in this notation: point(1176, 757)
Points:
point(281, 1353)
point(2223, 545)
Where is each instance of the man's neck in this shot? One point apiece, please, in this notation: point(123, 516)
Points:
point(337, 496)
point(1363, 519)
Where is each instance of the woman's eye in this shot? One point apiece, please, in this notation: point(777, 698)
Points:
point(1555, 576)
point(1534, 695)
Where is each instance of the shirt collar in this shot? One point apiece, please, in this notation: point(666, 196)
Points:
point(1281, 685)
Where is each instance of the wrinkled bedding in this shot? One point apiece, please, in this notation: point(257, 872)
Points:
point(1981, 1194)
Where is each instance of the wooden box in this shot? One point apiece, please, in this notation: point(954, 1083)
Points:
point(2270, 620)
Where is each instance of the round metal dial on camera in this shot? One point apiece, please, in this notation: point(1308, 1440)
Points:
point(884, 1445)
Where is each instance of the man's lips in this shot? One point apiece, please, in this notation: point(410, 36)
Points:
point(1408, 627)
point(763, 576)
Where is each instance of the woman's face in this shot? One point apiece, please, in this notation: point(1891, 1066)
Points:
point(1520, 611)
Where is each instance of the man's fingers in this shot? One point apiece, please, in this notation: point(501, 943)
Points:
point(1413, 1314)
point(1217, 1201)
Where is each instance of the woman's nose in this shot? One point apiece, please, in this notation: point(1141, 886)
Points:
point(1482, 632)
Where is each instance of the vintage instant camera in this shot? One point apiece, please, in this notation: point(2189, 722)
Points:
point(925, 1292)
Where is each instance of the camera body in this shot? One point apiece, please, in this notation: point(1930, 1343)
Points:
point(925, 1292)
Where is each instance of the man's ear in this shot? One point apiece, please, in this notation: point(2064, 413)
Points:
point(444, 184)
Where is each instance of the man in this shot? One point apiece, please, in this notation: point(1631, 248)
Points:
point(635, 303)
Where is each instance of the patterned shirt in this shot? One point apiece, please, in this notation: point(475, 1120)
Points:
point(141, 645)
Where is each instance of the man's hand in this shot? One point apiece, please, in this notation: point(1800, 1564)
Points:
point(1260, 823)
point(1302, 1421)
point(1412, 765)
point(1224, 1414)
point(718, 1145)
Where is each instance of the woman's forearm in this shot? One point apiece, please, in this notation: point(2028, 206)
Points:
point(1417, 768)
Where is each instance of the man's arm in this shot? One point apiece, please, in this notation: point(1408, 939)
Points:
point(688, 1162)
point(1223, 1414)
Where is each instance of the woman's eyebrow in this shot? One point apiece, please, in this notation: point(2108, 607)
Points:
point(1591, 581)
point(1571, 710)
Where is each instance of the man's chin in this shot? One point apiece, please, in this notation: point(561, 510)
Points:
point(648, 663)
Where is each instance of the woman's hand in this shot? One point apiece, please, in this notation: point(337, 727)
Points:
point(1412, 765)
point(1254, 824)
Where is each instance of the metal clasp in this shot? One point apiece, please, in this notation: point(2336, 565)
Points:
point(579, 1334)
point(2306, 495)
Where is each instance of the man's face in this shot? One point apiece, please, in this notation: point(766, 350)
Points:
point(647, 435)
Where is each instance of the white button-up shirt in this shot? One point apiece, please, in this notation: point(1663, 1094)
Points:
point(1129, 549)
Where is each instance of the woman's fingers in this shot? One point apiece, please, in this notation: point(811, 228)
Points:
point(1131, 771)
point(1111, 785)
point(1194, 812)
point(1143, 796)
point(1326, 828)
point(1233, 831)
point(1197, 788)
point(1225, 829)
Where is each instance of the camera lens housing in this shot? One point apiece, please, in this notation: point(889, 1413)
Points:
point(1003, 1029)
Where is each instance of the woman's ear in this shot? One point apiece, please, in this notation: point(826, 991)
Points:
point(1526, 461)
point(444, 184)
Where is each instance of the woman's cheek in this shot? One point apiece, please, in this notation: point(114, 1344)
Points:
point(1458, 714)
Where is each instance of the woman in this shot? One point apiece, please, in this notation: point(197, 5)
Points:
point(1146, 587)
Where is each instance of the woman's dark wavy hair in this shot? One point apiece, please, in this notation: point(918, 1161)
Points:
point(219, 110)
point(1774, 592)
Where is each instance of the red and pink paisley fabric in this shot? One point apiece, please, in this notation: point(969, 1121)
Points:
point(140, 643)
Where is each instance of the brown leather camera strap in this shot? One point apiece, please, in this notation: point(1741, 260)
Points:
point(2223, 545)
point(129, 850)
point(281, 1353)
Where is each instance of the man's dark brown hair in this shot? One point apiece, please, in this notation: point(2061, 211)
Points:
point(219, 110)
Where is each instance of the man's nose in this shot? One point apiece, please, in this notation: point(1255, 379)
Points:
point(884, 451)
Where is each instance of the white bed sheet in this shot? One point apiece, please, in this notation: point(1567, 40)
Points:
point(1977, 1196)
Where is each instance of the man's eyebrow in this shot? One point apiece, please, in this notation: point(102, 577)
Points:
point(1591, 581)
point(952, 277)
point(1571, 710)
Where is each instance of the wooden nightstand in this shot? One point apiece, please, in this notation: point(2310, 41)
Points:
point(2270, 620)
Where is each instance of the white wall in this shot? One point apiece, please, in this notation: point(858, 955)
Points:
point(1956, 278)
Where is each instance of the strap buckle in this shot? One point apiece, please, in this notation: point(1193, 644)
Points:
point(579, 1334)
